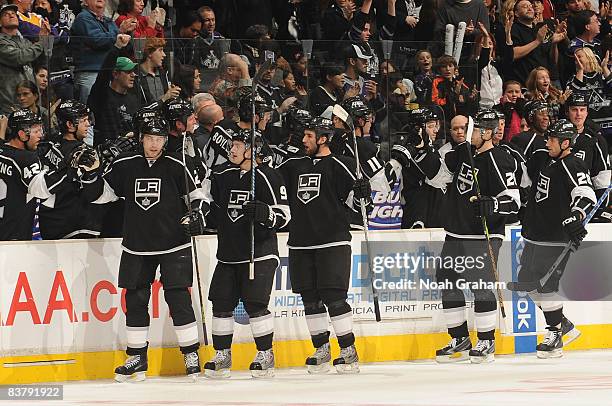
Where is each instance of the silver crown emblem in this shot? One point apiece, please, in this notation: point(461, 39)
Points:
point(146, 201)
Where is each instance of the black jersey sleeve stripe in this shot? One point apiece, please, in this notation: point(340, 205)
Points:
point(270, 189)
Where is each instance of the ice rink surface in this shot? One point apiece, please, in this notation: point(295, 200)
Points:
point(579, 378)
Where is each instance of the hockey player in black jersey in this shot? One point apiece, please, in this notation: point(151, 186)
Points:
point(465, 237)
point(561, 197)
point(592, 148)
point(411, 162)
point(22, 176)
point(156, 233)
point(234, 210)
point(294, 122)
point(66, 215)
point(319, 185)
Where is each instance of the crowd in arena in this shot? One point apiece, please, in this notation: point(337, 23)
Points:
point(532, 62)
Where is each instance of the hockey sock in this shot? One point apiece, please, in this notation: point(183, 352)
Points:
point(137, 320)
point(222, 329)
point(453, 307)
point(262, 325)
point(183, 318)
point(485, 314)
point(316, 318)
point(553, 308)
point(341, 316)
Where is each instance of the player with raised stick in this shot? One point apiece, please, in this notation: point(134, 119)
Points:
point(157, 232)
point(319, 185)
point(483, 184)
point(560, 200)
point(234, 211)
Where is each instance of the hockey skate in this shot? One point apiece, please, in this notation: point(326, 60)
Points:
point(134, 369)
point(456, 350)
point(569, 332)
point(318, 363)
point(483, 353)
point(219, 366)
point(348, 361)
point(552, 346)
point(192, 364)
point(263, 364)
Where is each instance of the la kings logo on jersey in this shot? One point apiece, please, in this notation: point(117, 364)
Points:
point(234, 207)
point(542, 188)
point(147, 192)
point(465, 179)
point(309, 185)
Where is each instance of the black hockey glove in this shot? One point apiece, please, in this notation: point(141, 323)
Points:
point(259, 212)
point(193, 224)
point(362, 189)
point(574, 228)
point(295, 145)
point(338, 142)
point(484, 206)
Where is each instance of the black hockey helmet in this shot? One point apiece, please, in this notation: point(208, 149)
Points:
point(296, 119)
point(356, 107)
point(532, 107)
point(177, 109)
point(245, 134)
point(71, 110)
point(322, 127)
point(154, 126)
point(421, 116)
point(245, 106)
point(21, 119)
point(145, 114)
point(360, 49)
point(577, 99)
point(563, 130)
point(486, 119)
point(498, 110)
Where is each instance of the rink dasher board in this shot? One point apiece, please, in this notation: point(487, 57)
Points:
point(59, 305)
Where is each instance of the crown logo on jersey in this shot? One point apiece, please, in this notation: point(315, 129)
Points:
point(309, 185)
point(542, 188)
point(465, 179)
point(234, 206)
point(147, 192)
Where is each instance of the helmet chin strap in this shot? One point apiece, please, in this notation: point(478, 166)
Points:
point(561, 149)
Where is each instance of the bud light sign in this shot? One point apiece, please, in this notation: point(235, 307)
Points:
point(387, 212)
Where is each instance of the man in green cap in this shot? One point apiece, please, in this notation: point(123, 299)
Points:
point(113, 98)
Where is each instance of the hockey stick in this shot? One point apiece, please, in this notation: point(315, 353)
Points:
point(364, 218)
point(530, 286)
point(194, 247)
point(266, 65)
point(485, 227)
point(459, 41)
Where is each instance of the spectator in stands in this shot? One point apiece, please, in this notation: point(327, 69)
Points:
point(153, 82)
point(211, 45)
point(254, 39)
point(208, 117)
point(423, 79)
point(573, 7)
point(539, 87)
point(181, 39)
point(450, 92)
point(29, 22)
point(533, 46)
point(233, 73)
point(330, 91)
point(491, 82)
point(145, 26)
point(16, 55)
point(594, 80)
point(299, 67)
point(93, 36)
point(188, 79)
point(337, 19)
point(408, 18)
point(588, 27)
point(511, 105)
point(113, 100)
point(28, 97)
point(41, 76)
